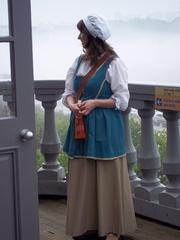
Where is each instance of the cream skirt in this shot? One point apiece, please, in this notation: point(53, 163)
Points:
point(99, 197)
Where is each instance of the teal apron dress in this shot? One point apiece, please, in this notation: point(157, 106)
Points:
point(104, 126)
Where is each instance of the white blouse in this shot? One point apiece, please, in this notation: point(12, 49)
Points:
point(116, 75)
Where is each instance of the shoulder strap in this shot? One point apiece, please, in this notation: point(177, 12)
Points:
point(103, 82)
point(85, 79)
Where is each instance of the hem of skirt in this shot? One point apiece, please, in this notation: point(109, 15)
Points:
point(98, 158)
point(101, 233)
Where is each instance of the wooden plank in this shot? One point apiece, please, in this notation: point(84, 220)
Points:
point(52, 214)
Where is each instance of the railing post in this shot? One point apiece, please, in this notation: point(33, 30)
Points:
point(151, 199)
point(148, 159)
point(8, 97)
point(51, 175)
point(130, 150)
point(171, 195)
point(10, 104)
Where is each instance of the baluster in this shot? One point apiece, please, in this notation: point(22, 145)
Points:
point(8, 97)
point(148, 159)
point(10, 104)
point(171, 195)
point(130, 150)
point(51, 175)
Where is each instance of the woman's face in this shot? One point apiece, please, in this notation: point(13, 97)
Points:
point(84, 39)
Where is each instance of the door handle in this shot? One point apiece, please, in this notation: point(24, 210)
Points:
point(26, 135)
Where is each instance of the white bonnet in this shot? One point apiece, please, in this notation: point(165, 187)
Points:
point(97, 26)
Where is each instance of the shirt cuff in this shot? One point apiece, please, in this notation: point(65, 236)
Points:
point(119, 103)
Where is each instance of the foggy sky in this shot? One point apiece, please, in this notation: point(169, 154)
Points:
point(68, 11)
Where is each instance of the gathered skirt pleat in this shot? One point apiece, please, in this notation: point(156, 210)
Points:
point(99, 197)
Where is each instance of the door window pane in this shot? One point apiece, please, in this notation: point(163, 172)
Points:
point(4, 28)
point(7, 102)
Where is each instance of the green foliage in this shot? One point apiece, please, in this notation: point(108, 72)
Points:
point(135, 131)
point(39, 115)
point(39, 158)
point(62, 121)
point(62, 159)
point(161, 139)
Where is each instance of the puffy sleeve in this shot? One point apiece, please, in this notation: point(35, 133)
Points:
point(118, 78)
point(69, 90)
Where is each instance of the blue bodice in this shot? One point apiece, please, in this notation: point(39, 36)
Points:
point(104, 126)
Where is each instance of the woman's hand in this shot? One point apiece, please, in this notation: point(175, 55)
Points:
point(87, 106)
point(74, 107)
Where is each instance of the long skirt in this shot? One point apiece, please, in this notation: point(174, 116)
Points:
point(99, 197)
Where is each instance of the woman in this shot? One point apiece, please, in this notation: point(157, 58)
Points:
point(99, 196)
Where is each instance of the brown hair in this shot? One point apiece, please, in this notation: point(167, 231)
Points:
point(95, 46)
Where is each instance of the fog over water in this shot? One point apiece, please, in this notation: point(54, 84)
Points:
point(145, 34)
point(150, 50)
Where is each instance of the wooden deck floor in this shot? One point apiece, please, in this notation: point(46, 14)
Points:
point(52, 213)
